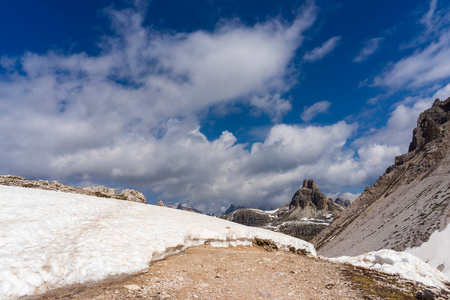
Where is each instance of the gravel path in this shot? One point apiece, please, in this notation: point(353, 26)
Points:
point(205, 272)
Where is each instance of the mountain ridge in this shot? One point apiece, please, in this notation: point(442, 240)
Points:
point(304, 216)
point(407, 204)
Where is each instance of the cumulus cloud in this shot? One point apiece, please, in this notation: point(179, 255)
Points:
point(321, 51)
point(130, 113)
point(129, 116)
point(310, 112)
point(369, 48)
point(185, 164)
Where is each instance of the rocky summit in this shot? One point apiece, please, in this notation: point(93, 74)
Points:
point(308, 213)
point(408, 203)
point(310, 202)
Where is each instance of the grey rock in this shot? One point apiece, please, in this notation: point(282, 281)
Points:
point(133, 195)
point(342, 202)
point(425, 294)
point(250, 217)
point(407, 204)
point(101, 189)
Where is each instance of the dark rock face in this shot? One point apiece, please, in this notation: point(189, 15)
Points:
point(407, 204)
point(429, 124)
point(302, 230)
point(342, 202)
point(232, 208)
point(308, 213)
point(251, 217)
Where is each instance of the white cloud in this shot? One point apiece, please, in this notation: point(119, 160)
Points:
point(346, 195)
point(377, 150)
point(350, 196)
point(321, 51)
point(183, 163)
point(310, 112)
point(273, 105)
point(369, 48)
point(427, 19)
point(430, 65)
point(129, 116)
point(398, 130)
point(442, 93)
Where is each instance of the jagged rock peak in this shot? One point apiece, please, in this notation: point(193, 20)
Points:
point(310, 184)
point(310, 195)
point(428, 125)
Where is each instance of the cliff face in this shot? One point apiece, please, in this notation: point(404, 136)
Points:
point(308, 213)
point(407, 204)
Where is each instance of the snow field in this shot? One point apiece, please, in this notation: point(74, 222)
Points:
point(402, 263)
point(51, 239)
point(435, 251)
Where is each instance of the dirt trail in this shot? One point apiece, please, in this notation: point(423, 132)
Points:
point(244, 273)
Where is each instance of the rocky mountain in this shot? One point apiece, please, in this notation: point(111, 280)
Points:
point(98, 191)
point(232, 208)
point(181, 206)
point(342, 202)
point(308, 213)
point(407, 204)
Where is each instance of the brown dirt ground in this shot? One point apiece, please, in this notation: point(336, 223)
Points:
point(205, 272)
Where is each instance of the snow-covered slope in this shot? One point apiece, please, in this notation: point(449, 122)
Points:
point(51, 239)
point(403, 264)
point(436, 251)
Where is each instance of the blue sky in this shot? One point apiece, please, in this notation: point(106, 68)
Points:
point(217, 102)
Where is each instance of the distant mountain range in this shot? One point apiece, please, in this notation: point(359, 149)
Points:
point(308, 213)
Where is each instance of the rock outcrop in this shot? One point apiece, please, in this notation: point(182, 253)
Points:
point(407, 204)
point(342, 202)
point(133, 195)
point(308, 213)
point(99, 191)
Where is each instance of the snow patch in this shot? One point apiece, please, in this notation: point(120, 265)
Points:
point(435, 251)
point(403, 264)
point(51, 239)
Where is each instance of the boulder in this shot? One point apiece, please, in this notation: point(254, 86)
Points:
point(133, 195)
